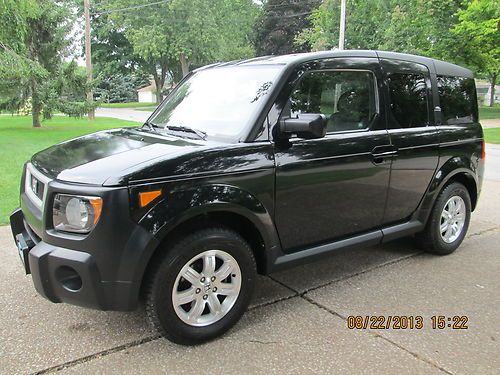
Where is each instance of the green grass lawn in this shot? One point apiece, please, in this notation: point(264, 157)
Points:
point(127, 105)
point(492, 135)
point(486, 113)
point(18, 141)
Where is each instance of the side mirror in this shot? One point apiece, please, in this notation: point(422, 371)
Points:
point(305, 125)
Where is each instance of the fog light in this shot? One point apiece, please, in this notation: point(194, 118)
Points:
point(69, 278)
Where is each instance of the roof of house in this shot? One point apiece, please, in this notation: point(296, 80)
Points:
point(150, 88)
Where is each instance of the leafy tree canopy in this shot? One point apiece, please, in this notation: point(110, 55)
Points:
point(464, 32)
point(478, 30)
point(411, 26)
point(175, 35)
point(34, 44)
point(280, 22)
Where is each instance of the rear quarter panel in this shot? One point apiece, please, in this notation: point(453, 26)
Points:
point(459, 153)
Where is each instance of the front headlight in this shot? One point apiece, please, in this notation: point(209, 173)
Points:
point(76, 214)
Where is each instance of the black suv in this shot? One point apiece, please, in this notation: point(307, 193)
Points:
point(250, 167)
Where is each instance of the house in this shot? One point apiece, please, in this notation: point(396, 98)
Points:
point(484, 93)
point(147, 94)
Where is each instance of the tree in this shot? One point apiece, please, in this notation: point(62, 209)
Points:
point(479, 30)
point(422, 27)
point(178, 34)
point(411, 26)
point(112, 52)
point(34, 46)
point(278, 25)
point(15, 68)
point(212, 30)
point(235, 21)
point(364, 20)
point(120, 88)
point(147, 30)
point(46, 41)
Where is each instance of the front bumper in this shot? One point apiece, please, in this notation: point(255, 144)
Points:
point(65, 275)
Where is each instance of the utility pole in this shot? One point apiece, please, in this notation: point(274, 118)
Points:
point(342, 24)
point(88, 57)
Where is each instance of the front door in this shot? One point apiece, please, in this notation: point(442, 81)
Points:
point(336, 186)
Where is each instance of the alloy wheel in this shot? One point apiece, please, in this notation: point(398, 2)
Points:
point(452, 219)
point(206, 288)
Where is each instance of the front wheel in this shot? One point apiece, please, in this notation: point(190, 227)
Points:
point(449, 220)
point(201, 287)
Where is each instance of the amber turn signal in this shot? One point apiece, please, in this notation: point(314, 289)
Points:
point(146, 197)
point(97, 205)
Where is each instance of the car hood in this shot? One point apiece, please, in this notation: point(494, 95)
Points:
point(111, 157)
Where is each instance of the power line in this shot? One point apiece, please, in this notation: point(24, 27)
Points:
point(138, 6)
point(132, 7)
point(165, 1)
point(312, 2)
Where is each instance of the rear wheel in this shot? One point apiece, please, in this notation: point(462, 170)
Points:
point(449, 220)
point(201, 287)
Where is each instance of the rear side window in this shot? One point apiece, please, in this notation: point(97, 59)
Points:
point(346, 98)
point(408, 95)
point(457, 99)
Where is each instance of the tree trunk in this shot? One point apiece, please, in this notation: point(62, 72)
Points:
point(184, 64)
point(159, 73)
point(36, 115)
point(159, 82)
point(36, 107)
point(159, 95)
point(493, 82)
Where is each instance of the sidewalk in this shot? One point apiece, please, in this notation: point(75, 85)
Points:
point(123, 114)
point(490, 123)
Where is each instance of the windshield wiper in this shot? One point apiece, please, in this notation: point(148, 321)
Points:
point(152, 126)
point(202, 135)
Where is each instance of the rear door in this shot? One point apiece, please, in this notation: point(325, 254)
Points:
point(336, 186)
point(413, 133)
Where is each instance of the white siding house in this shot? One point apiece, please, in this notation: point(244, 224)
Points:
point(147, 94)
point(484, 93)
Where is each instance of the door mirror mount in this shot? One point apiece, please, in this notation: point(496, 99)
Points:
point(305, 125)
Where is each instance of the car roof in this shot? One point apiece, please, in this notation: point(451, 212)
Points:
point(435, 66)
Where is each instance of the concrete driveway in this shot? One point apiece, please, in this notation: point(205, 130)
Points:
point(298, 320)
point(493, 162)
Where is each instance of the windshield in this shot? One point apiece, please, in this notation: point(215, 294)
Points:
point(217, 102)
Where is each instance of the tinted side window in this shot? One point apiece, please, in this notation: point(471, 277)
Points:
point(346, 98)
point(408, 95)
point(457, 99)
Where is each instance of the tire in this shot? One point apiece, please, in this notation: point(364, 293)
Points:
point(210, 253)
point(432, 239)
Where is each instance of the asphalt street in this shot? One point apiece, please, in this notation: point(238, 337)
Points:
point(298, 321)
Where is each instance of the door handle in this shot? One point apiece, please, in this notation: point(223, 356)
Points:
point(384, 154)
point(380, 153)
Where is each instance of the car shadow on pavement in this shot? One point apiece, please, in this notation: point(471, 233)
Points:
point(87, 324)
point(281, 285)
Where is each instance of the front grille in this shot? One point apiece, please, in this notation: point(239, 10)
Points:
point(35, 185)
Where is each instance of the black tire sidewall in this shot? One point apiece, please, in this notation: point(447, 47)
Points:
point(439, 245)
point(170, 324)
